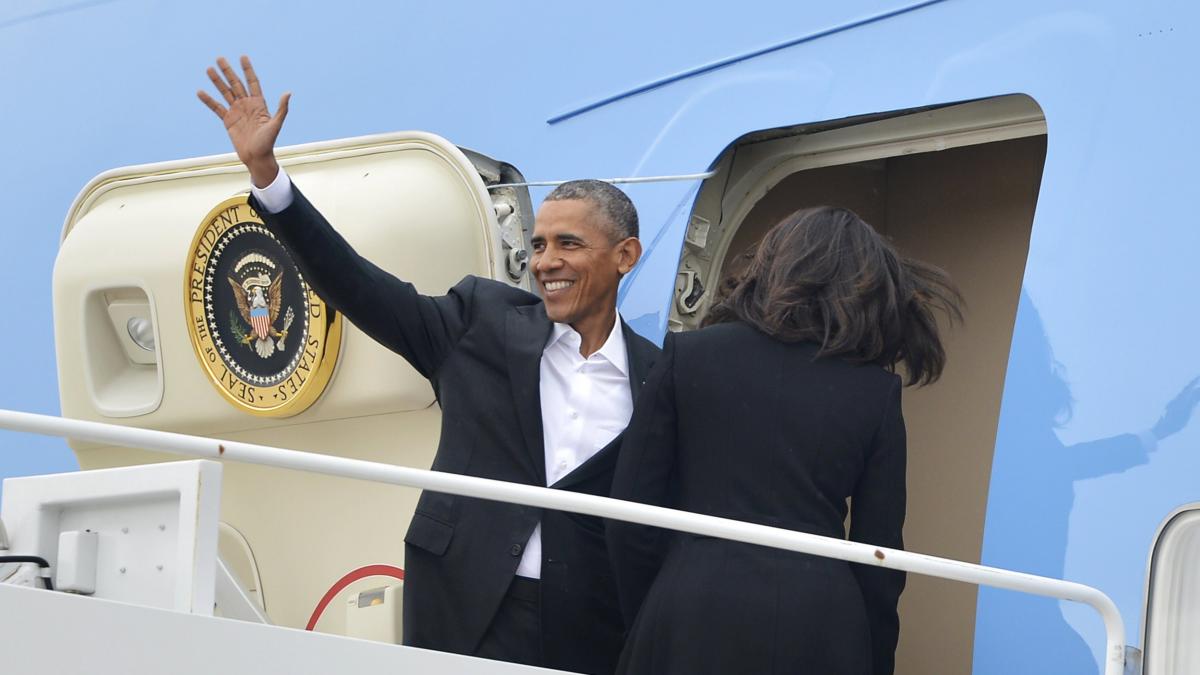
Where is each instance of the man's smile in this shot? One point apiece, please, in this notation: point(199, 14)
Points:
point(557, 285)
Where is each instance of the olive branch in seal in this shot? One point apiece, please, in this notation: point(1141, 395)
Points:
point(239, 333)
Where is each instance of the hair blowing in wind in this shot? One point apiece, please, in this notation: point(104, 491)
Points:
point(823, 275)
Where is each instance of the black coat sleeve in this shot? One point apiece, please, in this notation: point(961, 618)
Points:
point(645, 473)
point(422, 329)
point(877, 517)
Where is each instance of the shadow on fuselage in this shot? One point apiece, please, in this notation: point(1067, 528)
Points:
point(1030, 501)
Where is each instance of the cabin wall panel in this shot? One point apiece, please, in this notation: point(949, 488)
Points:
point(969, 211)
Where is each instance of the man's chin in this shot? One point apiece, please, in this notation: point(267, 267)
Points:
point(558, 313)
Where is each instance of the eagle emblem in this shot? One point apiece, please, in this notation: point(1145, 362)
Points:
point(259, 297)
point(268, 343)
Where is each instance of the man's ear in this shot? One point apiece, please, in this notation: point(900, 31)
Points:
point(629, 252)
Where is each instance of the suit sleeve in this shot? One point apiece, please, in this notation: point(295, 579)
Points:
point(422, 329)
point(645, 473)
point(877, 518)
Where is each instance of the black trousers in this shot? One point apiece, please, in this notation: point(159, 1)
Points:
point(515, 633)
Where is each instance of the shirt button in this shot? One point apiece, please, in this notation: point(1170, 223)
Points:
point(574, 414)
point(562, 466)
point(516, 549)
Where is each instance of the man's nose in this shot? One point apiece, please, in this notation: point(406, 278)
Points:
point(548, 260)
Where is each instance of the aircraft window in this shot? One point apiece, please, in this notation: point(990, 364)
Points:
point(955, 186)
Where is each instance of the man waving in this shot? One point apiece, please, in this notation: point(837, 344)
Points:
point(533, 390)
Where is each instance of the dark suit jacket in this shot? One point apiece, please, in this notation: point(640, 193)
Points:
point(733, 423)
point(481, 346)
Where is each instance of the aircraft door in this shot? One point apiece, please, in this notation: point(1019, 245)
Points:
point(1172, 612)
point(150, 332)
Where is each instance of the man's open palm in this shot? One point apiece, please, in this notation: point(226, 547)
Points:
point(251, 127)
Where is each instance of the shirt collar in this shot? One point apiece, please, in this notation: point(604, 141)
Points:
point(613, 350)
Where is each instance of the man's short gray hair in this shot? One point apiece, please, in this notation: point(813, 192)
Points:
point(612, 202)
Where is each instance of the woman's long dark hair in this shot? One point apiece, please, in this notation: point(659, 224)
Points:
point(823, 275)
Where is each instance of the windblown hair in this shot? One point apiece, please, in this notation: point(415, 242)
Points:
point(823, 275)
point(608, 198)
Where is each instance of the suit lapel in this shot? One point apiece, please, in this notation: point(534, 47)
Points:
point(640, 355)
point(526, 330)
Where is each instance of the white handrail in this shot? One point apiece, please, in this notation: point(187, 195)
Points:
point(470, 486)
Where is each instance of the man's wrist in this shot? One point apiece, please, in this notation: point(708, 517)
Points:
point(277, 196)
point(263, 172)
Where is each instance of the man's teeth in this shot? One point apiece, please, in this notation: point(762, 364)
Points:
point(558, 285)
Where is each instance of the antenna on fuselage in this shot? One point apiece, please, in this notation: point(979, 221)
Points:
point(631, 179)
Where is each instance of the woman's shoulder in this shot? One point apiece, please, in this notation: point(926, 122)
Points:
point(732, 338)
point(733, 344)
point(736, 331)
point(739, 334)
point(736, 338)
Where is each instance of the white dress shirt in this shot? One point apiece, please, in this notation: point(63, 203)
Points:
point(277, 196)
point(586, 402)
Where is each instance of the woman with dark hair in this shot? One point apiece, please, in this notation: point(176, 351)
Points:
point(780, 409)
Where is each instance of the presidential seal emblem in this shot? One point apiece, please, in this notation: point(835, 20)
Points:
point(267, 341)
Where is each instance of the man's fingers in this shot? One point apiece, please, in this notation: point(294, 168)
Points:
point(212, 103)
point(220, 85)
point(251, 77)
point(281, 112)
point(235, 82)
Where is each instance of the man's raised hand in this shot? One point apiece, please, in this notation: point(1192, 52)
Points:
point(252, 129)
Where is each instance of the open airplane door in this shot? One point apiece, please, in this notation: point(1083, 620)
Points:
point(1171, 618)
point(151, 332)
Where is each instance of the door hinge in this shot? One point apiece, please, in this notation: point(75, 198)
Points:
point(1133, 661)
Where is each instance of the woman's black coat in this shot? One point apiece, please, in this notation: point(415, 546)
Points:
point(736, 424)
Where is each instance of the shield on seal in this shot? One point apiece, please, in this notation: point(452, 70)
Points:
point(261, 321)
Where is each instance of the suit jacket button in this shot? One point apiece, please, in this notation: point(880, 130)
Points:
point(516, 549)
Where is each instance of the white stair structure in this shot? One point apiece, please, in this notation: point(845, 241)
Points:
point(35, 624)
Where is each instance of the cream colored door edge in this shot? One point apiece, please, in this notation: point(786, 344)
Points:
point(1172, 595)
point(478, 170)
point(751, 166)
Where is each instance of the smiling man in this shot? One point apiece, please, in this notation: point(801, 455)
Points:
point(532, 391)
